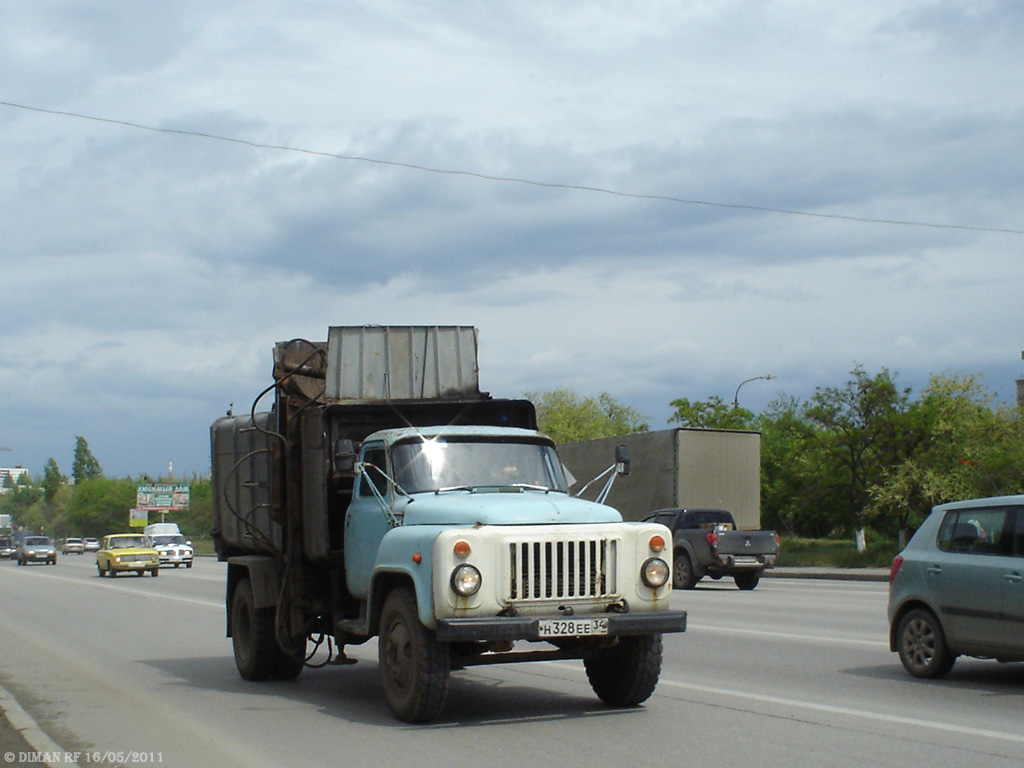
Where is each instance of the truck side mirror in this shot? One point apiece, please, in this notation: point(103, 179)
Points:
point(345, 457)
point(622, 464)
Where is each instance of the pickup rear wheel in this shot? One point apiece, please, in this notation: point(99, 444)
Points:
point(747, 579)
point(626, 674)
point(682, 572)
point(414, 665)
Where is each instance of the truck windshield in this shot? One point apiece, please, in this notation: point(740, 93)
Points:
point(432, 465)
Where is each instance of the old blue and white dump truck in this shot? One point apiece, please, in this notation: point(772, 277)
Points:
point(385, 496)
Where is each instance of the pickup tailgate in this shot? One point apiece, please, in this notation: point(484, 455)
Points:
point(747, 543)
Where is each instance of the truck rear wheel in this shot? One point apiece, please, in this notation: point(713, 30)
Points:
point(252, 635)
point(414, 665)
point(747, 579)
point(626, 674)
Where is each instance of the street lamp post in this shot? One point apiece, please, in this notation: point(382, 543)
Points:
point(736, 397)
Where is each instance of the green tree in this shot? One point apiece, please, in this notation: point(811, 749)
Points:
point(969, 449)
point(85, 466)
point(197, 520)
point(713, 413)
point(567, 417)
point(100, 505)
point(792, 491)
point(53, 479)
point(863, 427)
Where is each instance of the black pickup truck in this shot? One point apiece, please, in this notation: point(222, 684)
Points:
point(706, 542)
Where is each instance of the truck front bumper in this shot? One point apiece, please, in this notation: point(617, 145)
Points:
point(529, 627)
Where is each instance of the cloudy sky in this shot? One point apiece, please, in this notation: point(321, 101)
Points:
point(799, 187)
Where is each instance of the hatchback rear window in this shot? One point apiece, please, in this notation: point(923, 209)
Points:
point(978, 531)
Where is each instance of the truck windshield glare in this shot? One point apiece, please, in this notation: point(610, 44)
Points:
point(430, 465)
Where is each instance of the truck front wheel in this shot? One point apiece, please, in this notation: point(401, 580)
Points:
point(626, 674)
point(414, 665)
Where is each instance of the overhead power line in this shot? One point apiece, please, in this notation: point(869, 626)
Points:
point(510, 179)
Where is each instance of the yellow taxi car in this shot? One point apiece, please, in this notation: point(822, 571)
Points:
point(127, 552)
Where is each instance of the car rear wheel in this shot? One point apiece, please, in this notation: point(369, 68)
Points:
point(921, 644)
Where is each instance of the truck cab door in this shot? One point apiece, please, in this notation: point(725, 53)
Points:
point(365, 521)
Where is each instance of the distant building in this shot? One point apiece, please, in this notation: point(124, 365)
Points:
point(9, 477)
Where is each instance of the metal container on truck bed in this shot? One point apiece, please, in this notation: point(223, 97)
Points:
point(401, 362)
point(242, 461)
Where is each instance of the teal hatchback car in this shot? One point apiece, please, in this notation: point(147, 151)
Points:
point(957, 589)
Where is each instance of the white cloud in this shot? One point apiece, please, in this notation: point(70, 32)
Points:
point(146, 275)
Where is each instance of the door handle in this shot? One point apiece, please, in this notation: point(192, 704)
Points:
point(1012, 576)
point(934, 570)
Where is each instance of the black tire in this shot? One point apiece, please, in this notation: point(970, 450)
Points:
point(98, 568)
point(626, 674)
point(414, 665)
point(921, 645)
point(682, 572)
point(252, 635)
point(155, 572)
point(110, 570)
point(288, 667)
point(747, 579)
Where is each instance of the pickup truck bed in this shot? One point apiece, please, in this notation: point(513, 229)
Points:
point(706, 542)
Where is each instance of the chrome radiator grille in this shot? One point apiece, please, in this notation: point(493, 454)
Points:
point(561, 570)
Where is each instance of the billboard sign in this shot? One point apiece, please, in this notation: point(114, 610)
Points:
point(161, 497)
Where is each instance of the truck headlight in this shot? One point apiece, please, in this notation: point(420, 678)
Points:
point(654, 572)
point(465, 580)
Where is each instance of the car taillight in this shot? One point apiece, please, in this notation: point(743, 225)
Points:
point(895, 568)
point(712, 538)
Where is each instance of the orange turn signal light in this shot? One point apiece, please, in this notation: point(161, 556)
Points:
point(657, 543)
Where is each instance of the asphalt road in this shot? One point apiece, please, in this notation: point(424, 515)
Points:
point(137, 671)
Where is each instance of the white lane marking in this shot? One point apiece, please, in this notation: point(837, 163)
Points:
point(790, 636)
point(861, 713)
point(814, 706)
point(103, 582)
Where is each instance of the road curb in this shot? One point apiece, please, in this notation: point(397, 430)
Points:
point(26, 729)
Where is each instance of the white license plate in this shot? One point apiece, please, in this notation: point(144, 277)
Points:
point(572, 627)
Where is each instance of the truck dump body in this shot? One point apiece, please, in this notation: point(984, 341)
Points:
point(385, 494)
